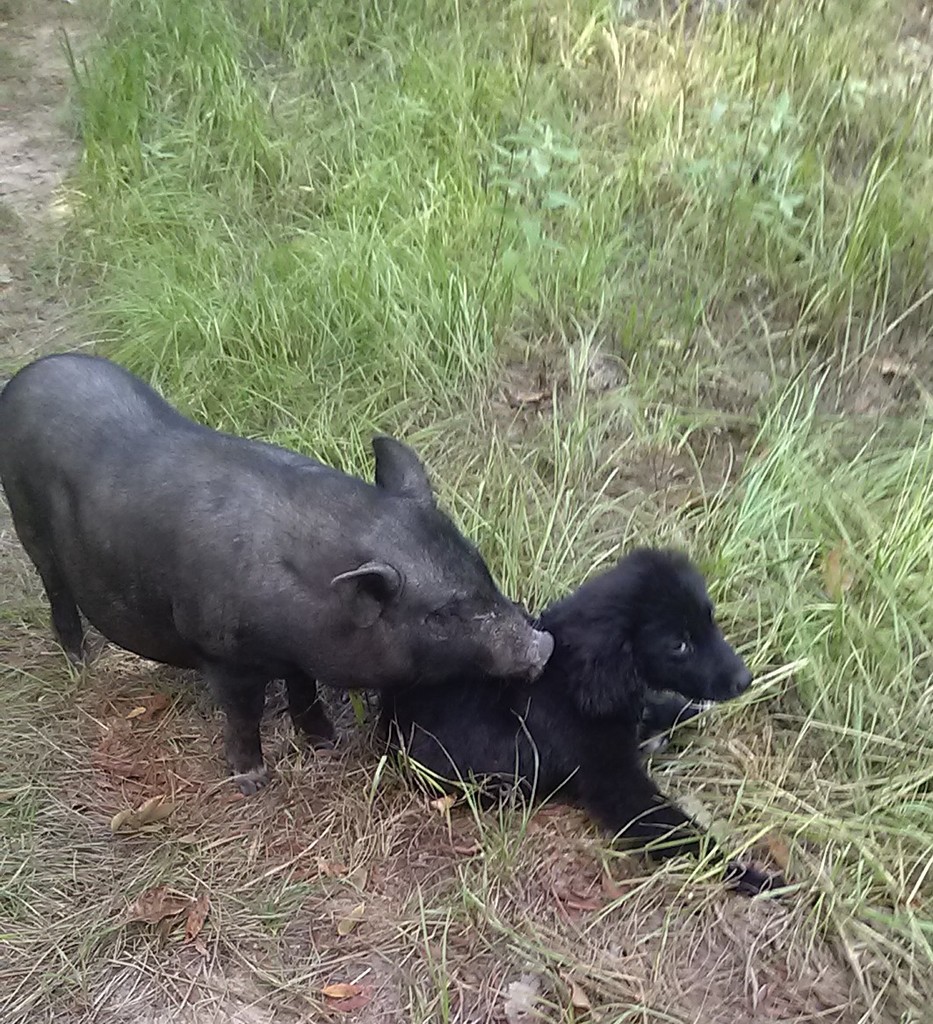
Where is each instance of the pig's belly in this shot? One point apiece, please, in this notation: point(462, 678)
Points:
point(120, 593)
point(144, 627)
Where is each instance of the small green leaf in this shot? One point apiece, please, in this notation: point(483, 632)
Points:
point(510, 260)
point(559, 201)
point(781, 110)
point(567, 154)
point(540, 163)
point(524, 286)
point(531, 229)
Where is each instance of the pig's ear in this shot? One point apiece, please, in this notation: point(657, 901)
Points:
point(367, 590)
point(399, 470)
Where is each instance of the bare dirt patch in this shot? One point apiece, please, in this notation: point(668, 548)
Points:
point(37, 147)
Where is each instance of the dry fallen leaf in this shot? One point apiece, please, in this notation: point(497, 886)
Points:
point(348, 1005)
point(347, 924)
point(120, 819)
point(154, 905)
point(519, 397)
point(331, 868)
point(611, 888)
point(837, 576)
point(579, 1000)
point(466, 849)
point(575, 902)
point(197, 915)
point(778, 849)
point(443, 804)
point(156, 704)
point(341, 990)
point(155, 809)
point(358, 876)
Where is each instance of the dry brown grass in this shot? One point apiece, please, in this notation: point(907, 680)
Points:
point(453, 912)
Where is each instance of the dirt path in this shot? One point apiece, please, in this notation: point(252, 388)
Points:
point(37, 147)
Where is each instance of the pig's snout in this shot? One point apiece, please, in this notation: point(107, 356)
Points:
point(519, 654)
point(539, 650)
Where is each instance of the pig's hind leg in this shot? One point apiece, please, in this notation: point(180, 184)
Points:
point(65, 618)
point(307, 711)
point(242, 696)
point(66, 621)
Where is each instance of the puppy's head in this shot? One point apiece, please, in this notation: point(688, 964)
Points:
point(676, 642)
point(646, 623)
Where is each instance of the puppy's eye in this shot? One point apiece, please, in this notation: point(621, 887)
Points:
point(680, 648)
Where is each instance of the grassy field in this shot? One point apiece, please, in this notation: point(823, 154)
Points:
point(622, 274)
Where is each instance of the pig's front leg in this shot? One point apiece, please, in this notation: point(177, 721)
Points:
point(242, 697)
point(307, 712)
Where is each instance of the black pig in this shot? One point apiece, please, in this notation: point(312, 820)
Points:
point(628, 635)
point(240, 559)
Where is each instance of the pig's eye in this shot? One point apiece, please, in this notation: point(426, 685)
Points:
point(446, 614)
point(457, 610)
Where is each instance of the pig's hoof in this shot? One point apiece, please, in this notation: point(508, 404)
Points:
point(320, 738)
point(314, 730)
point(76, 656)
point(252, 781)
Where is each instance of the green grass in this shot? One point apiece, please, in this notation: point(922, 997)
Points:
point(307, 221)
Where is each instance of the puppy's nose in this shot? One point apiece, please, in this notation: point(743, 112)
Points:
point(741, 681)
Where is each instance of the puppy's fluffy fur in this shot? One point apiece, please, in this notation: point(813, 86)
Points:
point(643, 627)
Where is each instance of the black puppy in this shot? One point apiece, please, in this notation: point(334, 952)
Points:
point(645, 626)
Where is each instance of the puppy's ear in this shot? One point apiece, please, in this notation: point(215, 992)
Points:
point(606, 688)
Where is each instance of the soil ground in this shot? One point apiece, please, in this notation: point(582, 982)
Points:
point(284, 875)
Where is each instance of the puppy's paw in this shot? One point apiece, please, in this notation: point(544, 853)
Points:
point(751, 880)
point(655, 744)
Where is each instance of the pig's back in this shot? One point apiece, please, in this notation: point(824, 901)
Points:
point(80, 402)
point(76, 411)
